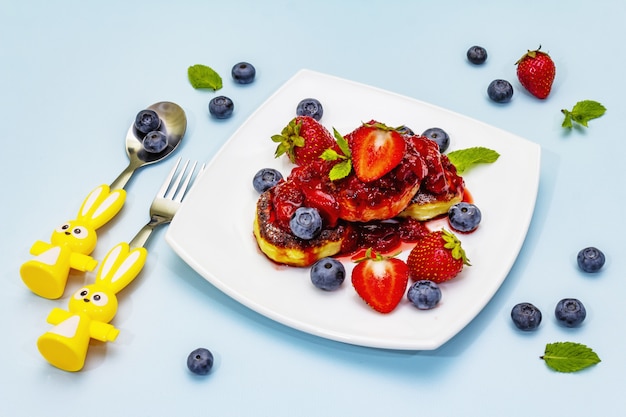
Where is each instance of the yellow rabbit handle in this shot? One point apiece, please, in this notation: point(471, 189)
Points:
point(71, 244)
point(91, 308)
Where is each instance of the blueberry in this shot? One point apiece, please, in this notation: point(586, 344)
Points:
point(464, 217)
point(590, 259)
point(570, 312)
point(438, 135)
point(526, 316)
point(221, 107)
point(200, 361)
point(265, 179)
point(310, 107)
point(306, 223)
point(155, 142)
point(243, 73)
point(147, 121)
point(405, 130)
point(500, 91)
point(424, 294)
point(477, 55)
point(328, 274)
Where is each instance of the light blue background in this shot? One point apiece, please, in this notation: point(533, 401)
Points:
point(74, 73)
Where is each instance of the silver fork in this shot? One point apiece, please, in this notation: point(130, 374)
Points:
point(167, 201)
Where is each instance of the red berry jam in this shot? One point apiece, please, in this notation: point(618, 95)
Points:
point(422, 167)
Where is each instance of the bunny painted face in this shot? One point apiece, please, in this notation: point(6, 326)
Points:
point(97, 209)
point(76, 235)
point(94, 301)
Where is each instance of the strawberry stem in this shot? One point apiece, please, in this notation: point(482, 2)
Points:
point(531, 54)
point(370, 255)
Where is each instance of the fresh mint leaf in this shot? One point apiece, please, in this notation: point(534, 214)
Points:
point(340, 170)
point(463, 159)
point(201, 76)
point(342, 143)
point(567, 122)
point(343, 168)
point(582, 113)
point(331, 155)
point(569, 356)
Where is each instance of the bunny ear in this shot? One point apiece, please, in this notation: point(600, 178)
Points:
point(101, 205)
point(120, 266)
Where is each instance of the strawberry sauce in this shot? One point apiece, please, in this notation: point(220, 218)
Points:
point(383, 236)
point(365, 214)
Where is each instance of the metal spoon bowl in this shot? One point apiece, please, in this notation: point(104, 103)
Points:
point(173, 124)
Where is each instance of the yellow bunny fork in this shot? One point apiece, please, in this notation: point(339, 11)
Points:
point(92, 307)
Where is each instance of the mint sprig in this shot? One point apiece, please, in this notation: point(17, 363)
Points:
point(569, 356)
point(463, 159)
point(582, 113)
point(201, 76)
point(343, 168)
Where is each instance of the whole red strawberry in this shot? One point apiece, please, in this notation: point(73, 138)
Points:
point(380, 281)
point(437, 257)
point(303, 140)
point(536, 72)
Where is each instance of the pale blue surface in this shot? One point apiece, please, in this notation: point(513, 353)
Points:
point(74, 74)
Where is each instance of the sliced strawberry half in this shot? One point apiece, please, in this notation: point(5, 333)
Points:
point(324, 202)
point(376, 150)
point(380, 281)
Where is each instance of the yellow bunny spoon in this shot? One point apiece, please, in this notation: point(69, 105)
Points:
point(72, 243)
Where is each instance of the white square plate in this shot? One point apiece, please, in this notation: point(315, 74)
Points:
point(212, 232)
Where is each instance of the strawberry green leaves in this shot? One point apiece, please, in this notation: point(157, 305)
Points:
point(569, 356)
point(582, 113)
point(463, 159)
point(454, 244)
point(288, 140)
point(201, 76)
point(343, 168)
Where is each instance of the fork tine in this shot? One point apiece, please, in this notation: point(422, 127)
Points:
point(168, 180)
point(200, 171)
point(184, 187)
point(174, 185)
